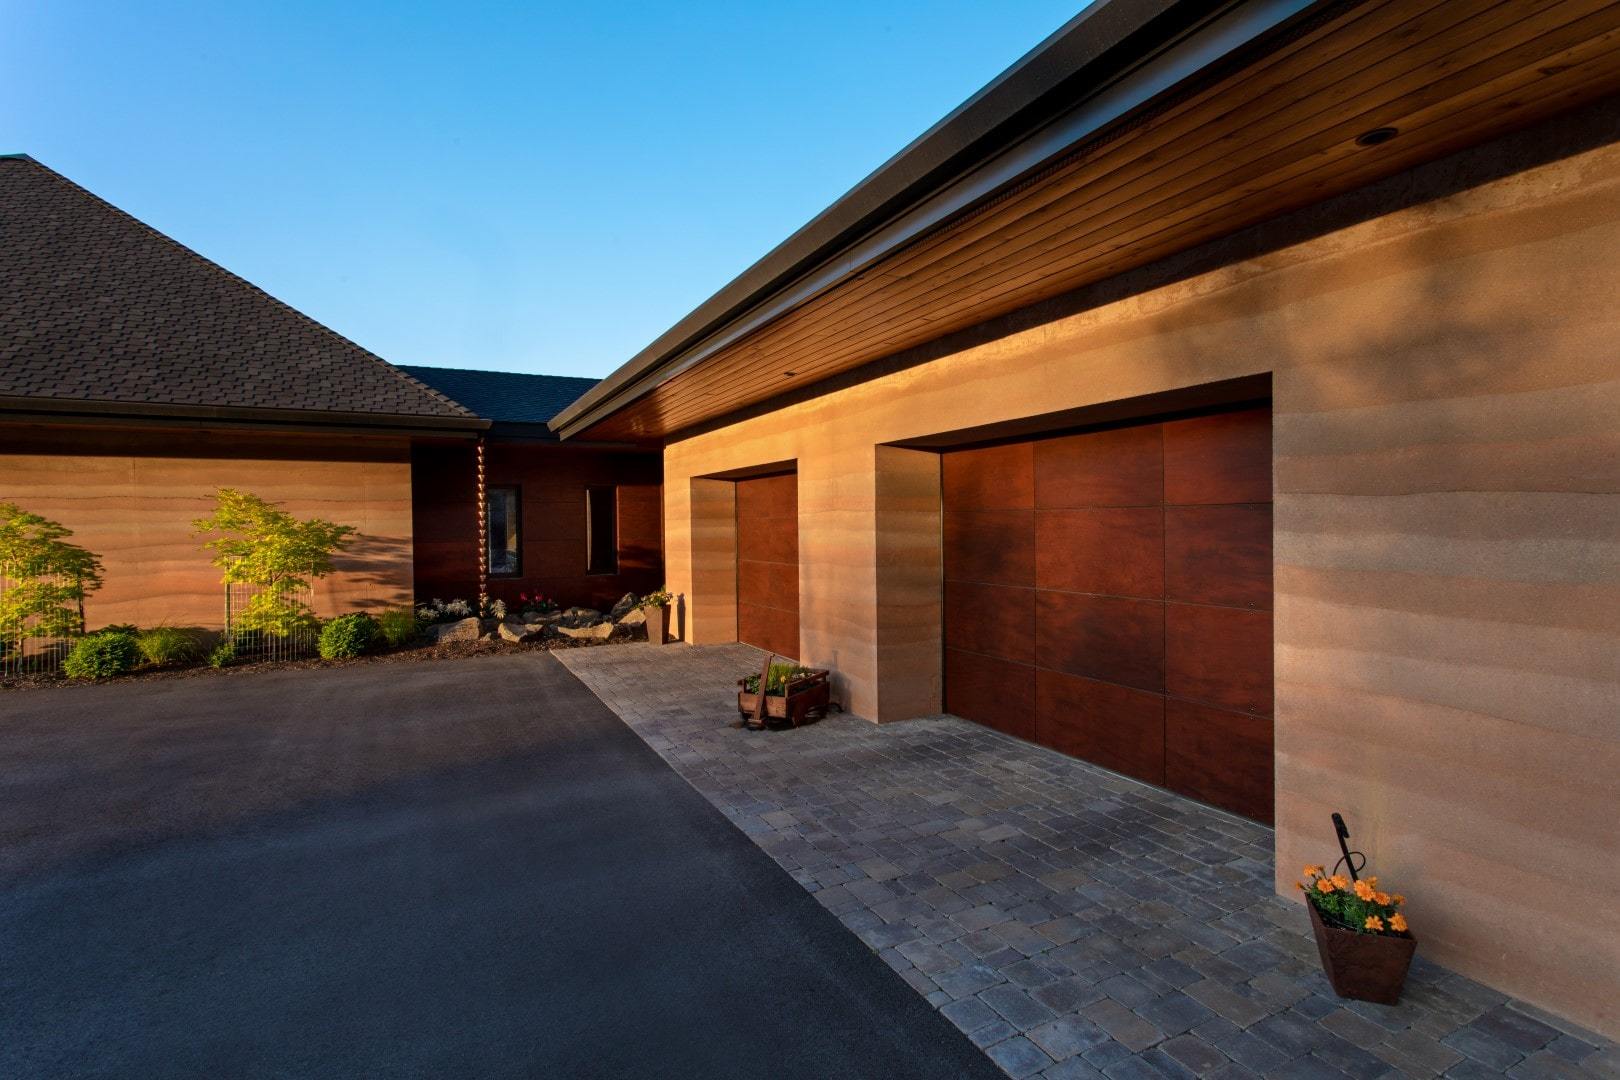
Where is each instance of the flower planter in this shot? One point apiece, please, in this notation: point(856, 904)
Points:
point(657, 623)
point(802, 695)
point(1366, 967)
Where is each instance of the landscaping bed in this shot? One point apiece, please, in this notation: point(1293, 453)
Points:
point(424, 648)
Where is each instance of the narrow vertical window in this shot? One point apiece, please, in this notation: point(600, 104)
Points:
point(505, 532)
point(602, 530)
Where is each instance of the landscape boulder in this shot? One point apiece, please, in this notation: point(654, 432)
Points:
point(581, 616)
point(461, 630)
point(522, 633)
point(626, 604)
point(633, 617)
point(596, 632)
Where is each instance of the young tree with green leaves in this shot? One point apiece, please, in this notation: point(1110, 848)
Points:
point(261, 544)
point(47, 578)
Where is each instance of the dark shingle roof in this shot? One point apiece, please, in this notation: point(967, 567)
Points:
point(506, 397)
point(97, 307)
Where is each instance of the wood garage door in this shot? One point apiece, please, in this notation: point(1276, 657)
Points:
point(1109, 594)
point(768, 563)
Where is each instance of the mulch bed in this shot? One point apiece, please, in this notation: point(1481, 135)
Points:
point(424, 651)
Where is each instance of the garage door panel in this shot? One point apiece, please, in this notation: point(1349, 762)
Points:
point(768, 496)
point(1224, 758)
point(996, 693)
point(992, 478)
point(1116, 727)
point(773, 629)
point(1111, 550)
point(1139, 585)
point(1121, 467)
point(1101, 637)
point(997, 620)
point(1219, 656)
point(767, 539)
point(774, 584)
point(991, 546)
point(1218, 555)
point(768, 563)
point(1223, 458)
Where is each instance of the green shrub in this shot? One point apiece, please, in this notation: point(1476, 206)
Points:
point(399, 626)
point(348, 636)
point(223, 654)
point(99, 655)
point(168, 645)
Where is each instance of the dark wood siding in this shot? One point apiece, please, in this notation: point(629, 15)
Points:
point(552, 480)
point(768, 563)
point(1109, 594)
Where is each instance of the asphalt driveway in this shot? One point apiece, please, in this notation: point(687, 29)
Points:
point(467, 868)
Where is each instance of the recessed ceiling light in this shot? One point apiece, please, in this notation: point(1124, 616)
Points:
point(789, 374)
point(1376, 136)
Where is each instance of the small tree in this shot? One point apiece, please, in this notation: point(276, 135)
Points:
point(49, 578)
point(263, 545)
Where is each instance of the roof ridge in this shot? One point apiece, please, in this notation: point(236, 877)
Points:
point(221, 270)
point(496, 371)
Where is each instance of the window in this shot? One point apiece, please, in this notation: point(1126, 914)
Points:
point(505, 535)
point(602, 530)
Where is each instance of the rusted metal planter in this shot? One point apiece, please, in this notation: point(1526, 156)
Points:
point(1365, 967)
point(803, 695)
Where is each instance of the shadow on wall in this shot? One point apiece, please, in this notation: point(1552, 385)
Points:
point(370, 574)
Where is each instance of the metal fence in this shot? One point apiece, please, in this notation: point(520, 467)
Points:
point(29, 605)
point(291, 641)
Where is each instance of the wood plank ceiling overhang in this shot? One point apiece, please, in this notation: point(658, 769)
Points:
point(1205, 158)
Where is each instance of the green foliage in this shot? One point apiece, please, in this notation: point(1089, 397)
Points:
point(97, 656)
point(399, 626)
point(348, 636)
point(168, 645)
point(223, 654)
point(661, 598)
point(261, 544)
point(778, 680)
point(49, 577)
point(1354, 905)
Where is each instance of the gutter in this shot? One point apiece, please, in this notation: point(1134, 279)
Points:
point(61, 410)
point(1093, 74)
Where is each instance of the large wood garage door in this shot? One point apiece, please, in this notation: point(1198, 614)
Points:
point(1109, 594)
point(768, 563)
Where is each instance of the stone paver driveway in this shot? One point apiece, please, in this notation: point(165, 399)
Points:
point(1073, 923)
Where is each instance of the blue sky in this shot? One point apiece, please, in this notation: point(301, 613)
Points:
point(529, 187)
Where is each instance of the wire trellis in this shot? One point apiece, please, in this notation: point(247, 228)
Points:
point(27, 645)
point(294, 640)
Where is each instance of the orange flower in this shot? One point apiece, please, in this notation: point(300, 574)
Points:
point(1364, 890)
point(1399, 899)
point(1374, 923)
point(1323, 885)
point(1373, 881)
point(1312, 871)
point(1381, 899)
point(1340, 882)
point(1397, 921)
point(1300, 885)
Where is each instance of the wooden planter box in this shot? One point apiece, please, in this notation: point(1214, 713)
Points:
point(1366, 967)
point(803, 695)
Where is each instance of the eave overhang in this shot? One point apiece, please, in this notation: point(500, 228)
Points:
point(1138, 130)
point(74, 411)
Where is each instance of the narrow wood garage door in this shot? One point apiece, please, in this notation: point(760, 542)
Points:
point(1109, 594)
point(768, 563)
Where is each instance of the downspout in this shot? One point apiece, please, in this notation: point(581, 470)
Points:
point(483, 535)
